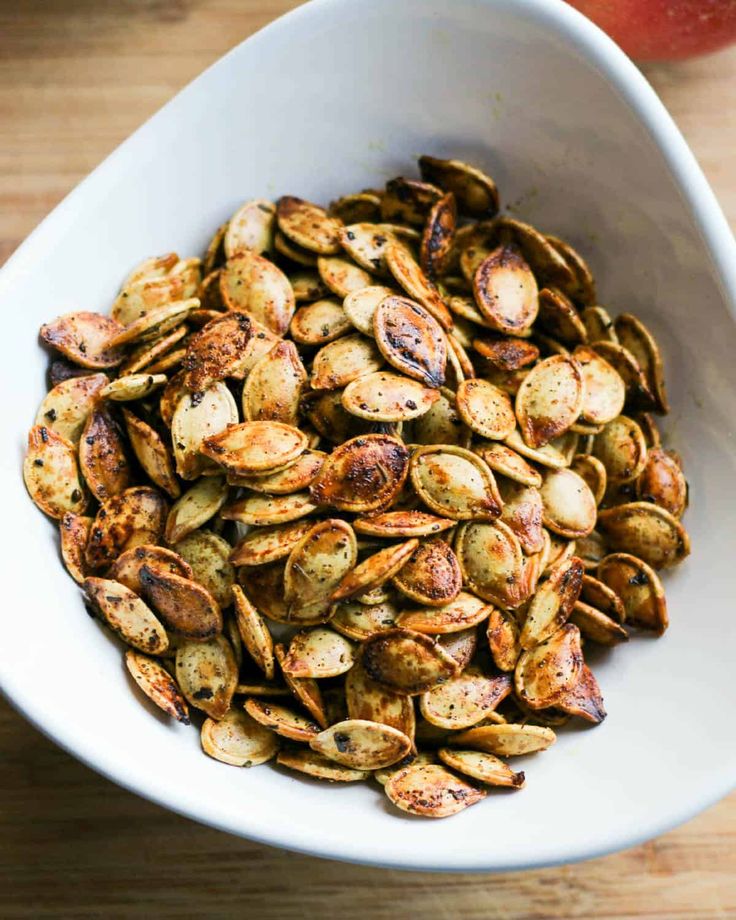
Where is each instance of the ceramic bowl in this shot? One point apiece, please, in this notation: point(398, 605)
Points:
point(336, 96)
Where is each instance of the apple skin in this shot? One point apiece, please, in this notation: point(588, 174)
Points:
point(664, 30)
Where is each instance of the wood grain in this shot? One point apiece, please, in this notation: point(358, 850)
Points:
point(76, 77)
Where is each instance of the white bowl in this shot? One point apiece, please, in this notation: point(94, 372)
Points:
point(338, 95)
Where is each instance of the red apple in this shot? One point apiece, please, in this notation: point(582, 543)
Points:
point(662, 30)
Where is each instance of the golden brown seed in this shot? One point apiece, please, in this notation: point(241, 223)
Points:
point(662, 482)
point(308, 225)
point(375, 570)
point(507, 740)
point(410, 277)
point(305, 689)
point(251, 284)
point(593, 472)
point(196, 417)
point(621, 448)
point(85, 338)
point(102, 456)
point(485, 409)
point(127, 567)
point(207, 553)
point(319, 322)
point(386, 397)
point(546, 672)
point(559, 318)
point(596, 625)
point(269, 544)
point(549, 400)
point(216, 351)
point(134, 517)
point(553, 602)
point(506, 291)
point(157, 684)
point(261, 510)
point(463, 612)
point(501, 459)
point(185, 606)
point(407, 661)
point(438, 236)
point(431, 575)
point(251, 227)
point(639, 588)
point(152, 454)
point(408, 201)
point(282, 720)
point(253, 447)
point(207, 674)
point(569, 507)
point(51, 473)
point(464, 700)
point(373, 702)
point(195, 507)
point(238, 740)
point(314, 765)
point(350, 357)
point(492, 562)
point(431, 791)
point(483, 767)
point(73, 535)
point(363, 474)
point(316, 566)
point(476, 192)
point(127, 615)
point(402, 524)
point(254, 633)
point(523, 511)
point(634, 336)
point(455, 483)
point(411, 340)
point(362, 745)
point(503, 639)
point(647, 531)
point(274, 385)
point(66, 406)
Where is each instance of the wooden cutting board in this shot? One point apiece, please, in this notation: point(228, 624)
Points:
point(76, 77)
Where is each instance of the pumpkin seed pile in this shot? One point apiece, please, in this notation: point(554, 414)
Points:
point(443, 449)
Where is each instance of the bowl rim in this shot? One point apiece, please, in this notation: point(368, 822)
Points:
point(623, 75)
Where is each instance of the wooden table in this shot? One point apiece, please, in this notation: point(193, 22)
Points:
point(76, 77)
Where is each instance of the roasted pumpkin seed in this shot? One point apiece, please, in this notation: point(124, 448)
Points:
point(195, 507)
point(639, 589)
point(313, 764)
point(261, 510)
point(362, 745)
point(386, 397)
point(251, 284)
point(662, 482)
point(372, 702)
point(411, 279)
point(553, 603)
point(492, 562)
point(308, 225)
point(196, 417)
point(431, 791)
point(52, 475)
point(431, 575)
point(375, 570)
point(185, 606)
point(66, 406)
point(316, 566)
point(508, 740)
point(207, 555)
point(647, 531)
point(282, 720)
point(85, 338)
point(503, 639)
point(152, 454)
point(255, 447)
point(127, 567)
point(455, 483)
point(569, 507)
point(133, 518)
point(442, 424)
point(73, 535)
point(157, 684)
point(407, 661)
point(634, 336)
point(363, 474)
point(251, 227)
point(592, 470)
point(340, 362)
point(596, 625)
point(238, 740)
point(438, 236)
point(127, 615)
point(464, 700)
point(483, 767)
point(550, 399)
point(506, 291)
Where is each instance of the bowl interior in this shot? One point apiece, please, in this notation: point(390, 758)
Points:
point(342, 95)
